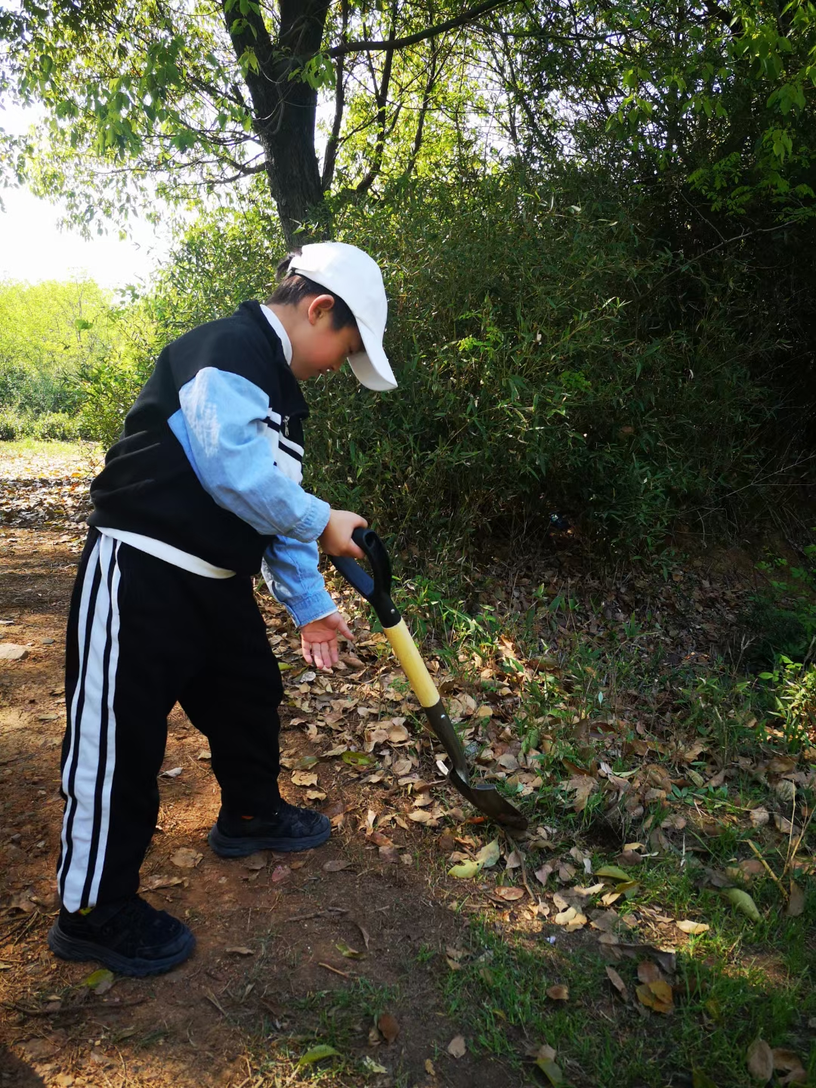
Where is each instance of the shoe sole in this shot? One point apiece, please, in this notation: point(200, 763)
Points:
point(71, 948)
point(227, 847)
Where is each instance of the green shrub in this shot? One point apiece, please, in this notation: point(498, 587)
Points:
point(57, 426)
point(108, 391)
point(543, 366)
point(793, 688)
point(11, 425)
point(47, 426)
point(551, 357)
point(780, 621)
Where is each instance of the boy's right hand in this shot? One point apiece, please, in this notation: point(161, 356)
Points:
point(336, 537)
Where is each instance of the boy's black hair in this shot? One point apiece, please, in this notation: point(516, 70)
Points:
point(292, 287)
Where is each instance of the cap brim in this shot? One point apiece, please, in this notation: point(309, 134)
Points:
point(371, 367)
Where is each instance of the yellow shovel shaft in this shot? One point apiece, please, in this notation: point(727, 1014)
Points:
point(413, 666)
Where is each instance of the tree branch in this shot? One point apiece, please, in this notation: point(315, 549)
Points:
point(382, 107)
point(421, 35)
point(333, 142)
point(430, 84)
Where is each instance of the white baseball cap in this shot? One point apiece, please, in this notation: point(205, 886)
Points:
point(356, 278)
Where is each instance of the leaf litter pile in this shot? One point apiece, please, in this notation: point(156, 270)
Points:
point(596, 728)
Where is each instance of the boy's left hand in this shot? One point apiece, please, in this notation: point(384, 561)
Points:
point(318, 640)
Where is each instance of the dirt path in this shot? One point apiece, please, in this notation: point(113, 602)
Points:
point(269, 973)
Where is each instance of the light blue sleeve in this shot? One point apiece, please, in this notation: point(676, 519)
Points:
point(290, 571)
point(221, 425)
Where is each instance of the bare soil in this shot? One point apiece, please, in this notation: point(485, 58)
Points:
point(267, 963)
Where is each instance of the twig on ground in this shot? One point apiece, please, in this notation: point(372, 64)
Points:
point(336, 970)
point(768, 869)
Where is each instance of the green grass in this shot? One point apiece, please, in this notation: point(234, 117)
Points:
point(51, 447)
point(500, 999)
point(338, 1018)
point(593, 698)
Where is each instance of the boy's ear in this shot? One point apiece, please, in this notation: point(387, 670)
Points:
point(319, 305)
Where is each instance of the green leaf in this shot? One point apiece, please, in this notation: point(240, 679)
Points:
point(550, 1070)
point(742, 901)
point(700, 1080)
point(464, 870)
point(100, 980)
point(317, 1054)
point(489, 855)
point(614, 872)
point(357, 759)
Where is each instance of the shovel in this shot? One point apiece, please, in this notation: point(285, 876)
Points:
point(377, 591)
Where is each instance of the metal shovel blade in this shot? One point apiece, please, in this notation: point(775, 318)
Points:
point(483, 795)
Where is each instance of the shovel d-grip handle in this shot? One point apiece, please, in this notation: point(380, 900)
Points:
point(376, 588)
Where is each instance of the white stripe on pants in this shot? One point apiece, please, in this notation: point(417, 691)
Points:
point(88, 772)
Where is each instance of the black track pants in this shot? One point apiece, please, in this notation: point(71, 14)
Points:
point(143, 635)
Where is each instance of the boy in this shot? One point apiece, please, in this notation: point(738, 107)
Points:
point(202, 485)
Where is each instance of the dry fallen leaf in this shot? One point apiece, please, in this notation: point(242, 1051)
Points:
point(544, 873)
point(784, 825)
point(785, 1061)
point(240, 950)
point(335, 866)
point(648, 972)
point(617, 982)
point(388, 1026)
point(692, 928)
point(256, 861)
point(760, 1061)
point(657, 996)
point(583, 785)
point(457, 1047)
point(185, 858)
point(157, 882)
point(509, 894)
point(513, 860)
point(304, 778)
point(558, 993)
point(796, 903)
point(545, 1052)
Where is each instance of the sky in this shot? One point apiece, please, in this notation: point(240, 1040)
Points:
point(34, 248)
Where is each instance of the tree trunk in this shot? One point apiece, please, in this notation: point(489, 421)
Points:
point(284, 105)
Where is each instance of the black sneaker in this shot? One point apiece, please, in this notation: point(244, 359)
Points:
point(130, 937)
point(290, 829)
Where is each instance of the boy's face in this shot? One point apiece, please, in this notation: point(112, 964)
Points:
point(317, 346)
